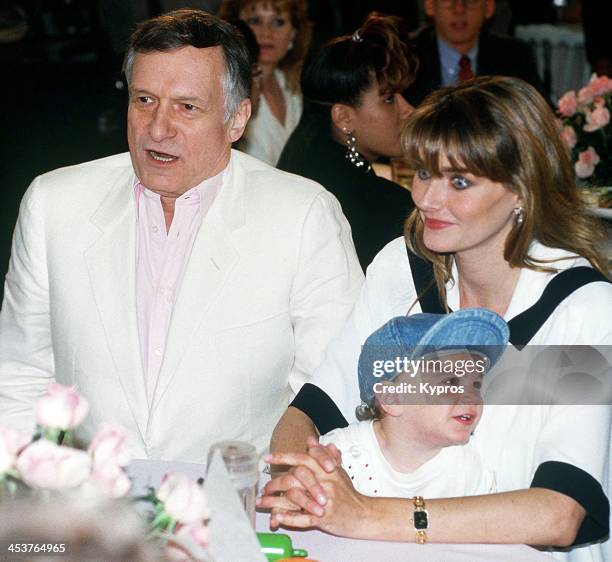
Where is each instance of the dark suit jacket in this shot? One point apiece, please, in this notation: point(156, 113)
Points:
point(497, 54)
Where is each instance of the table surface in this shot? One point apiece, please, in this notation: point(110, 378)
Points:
point(328, 548)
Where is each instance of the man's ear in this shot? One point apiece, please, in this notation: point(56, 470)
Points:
point(239, 121)
point(489, 8)
point(428, 6)
point(343, 116)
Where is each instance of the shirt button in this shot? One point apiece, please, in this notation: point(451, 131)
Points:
point(158, 351)
point(155, 229)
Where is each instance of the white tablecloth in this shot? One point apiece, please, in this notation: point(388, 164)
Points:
point(560, 54)
point(328, 548)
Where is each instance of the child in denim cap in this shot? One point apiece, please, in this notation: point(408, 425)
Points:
point(406, 445)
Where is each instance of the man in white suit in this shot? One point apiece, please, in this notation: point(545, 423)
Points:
point(187, 290)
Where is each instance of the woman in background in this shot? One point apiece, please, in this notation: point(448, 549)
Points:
point(283, 33)
point(354, 114)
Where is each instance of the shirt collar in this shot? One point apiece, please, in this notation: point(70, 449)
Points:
point(202, 194)
point(449, 60)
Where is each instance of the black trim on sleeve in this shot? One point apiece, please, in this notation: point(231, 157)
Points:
point(319, 407)
point(579, 485)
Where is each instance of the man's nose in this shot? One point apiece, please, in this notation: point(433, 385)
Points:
point(459, 6)
point(161, 126)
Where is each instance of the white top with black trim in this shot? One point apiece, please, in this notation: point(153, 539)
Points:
point(564, 448)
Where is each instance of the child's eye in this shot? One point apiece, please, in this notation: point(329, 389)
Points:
point(423, 174)
point(460, 182)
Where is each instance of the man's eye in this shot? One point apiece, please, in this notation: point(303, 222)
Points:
point(453, 381)
point(189, 107)
point(477, 385)
point(144, 99)
point(390, 99)
point(460, 182)
point(423, 174)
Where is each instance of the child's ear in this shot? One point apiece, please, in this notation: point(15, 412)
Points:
point(388, 404)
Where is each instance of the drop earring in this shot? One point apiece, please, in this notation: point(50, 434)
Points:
point(352, 154)
point(519, 215)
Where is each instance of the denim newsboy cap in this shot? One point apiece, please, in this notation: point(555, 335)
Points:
point(475, 329)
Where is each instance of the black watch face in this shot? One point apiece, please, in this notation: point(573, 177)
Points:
point(420, 520)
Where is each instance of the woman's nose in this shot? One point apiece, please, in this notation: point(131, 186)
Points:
point(405, 109)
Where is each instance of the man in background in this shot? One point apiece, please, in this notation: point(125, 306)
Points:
point(457, 46)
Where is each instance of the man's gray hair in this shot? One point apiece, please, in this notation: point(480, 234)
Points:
point(198, 29)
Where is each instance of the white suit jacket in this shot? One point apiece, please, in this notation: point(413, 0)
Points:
point(271, 278)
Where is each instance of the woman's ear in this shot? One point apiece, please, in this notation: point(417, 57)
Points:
point(343, 117)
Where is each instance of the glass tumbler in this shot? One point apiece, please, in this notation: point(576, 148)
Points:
point(242, 465)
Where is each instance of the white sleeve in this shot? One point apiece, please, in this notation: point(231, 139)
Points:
point(26, 352)
point(325, 287)
point(387, 292)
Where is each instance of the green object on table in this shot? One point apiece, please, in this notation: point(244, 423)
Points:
point(277, 546)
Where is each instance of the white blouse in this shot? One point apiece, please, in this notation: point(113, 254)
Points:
point(513, 440)
point(265, 136)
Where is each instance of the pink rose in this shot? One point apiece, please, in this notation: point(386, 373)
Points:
point(599, 85)
point(585, 96)
point(62, 407)
point(183, 499)
point(587, 160)
point(568, 104)
point(11, 442)
point(109, 480)
point(568, 136)
point(109, 447)
point(46, 465)
point(181, 550)
point(596, 119)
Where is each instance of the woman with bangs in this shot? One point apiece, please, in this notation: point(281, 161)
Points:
point(498, 224)
point(282, 30)
point(354, 114)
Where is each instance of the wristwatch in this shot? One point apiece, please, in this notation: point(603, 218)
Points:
point(421, 520)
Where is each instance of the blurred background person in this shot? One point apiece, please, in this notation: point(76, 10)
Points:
point(282, 31)
point(354, 114)
point(457, 46)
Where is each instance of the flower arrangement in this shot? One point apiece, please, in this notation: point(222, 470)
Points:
point(587, 132)
point(47, 461)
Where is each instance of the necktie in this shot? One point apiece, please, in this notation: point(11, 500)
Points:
point(465, 68)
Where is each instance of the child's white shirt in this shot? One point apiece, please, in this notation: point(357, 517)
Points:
point(455, 471)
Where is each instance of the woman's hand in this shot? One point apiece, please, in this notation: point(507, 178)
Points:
point(339, 509)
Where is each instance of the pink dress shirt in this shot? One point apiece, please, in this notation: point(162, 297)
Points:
point(160, 264)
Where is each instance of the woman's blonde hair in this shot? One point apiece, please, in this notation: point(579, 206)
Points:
point(502, 129)
point(291, 64)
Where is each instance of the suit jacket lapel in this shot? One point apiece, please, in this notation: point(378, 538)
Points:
point(212, 258)
point(111, 261)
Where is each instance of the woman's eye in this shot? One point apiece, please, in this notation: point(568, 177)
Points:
point(390, 99)
point(477, 385)
point(460, 182)
point(279, 22)
point(253, 20)
point(423, 174)
point(453, 381)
